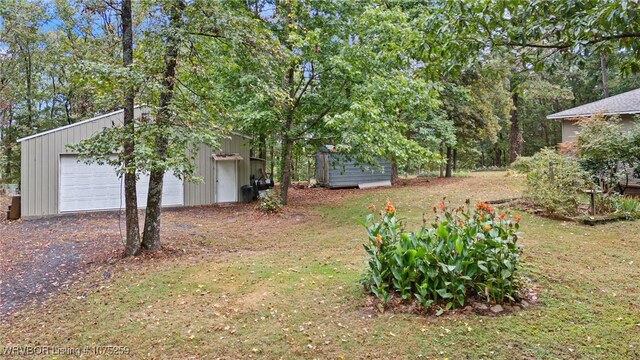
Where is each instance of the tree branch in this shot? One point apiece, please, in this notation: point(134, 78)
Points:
point(560, 46)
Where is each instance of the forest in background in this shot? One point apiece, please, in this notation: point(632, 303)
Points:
point(413, 82)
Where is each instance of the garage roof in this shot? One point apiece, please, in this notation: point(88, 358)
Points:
point(94, 119)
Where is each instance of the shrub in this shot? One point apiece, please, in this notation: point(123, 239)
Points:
point(604, 149)
point(462, 253)
point(271, 203)
point(629, 207)
point(553, 181)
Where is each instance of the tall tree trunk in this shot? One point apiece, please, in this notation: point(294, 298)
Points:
point(262, 146)
point(441, 157)
point(132, 246)
point(151, 236)
point(455, 159)
point(603, 70)
point(287, 141)
point(28, 75)
point(449, 162)
point(515, 136)
point(272, 162)
point(394, 172)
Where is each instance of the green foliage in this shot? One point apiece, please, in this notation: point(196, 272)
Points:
point(463, 253)
point(271, 203)
point(553, 181)
point(604, 150)
point(629, 207)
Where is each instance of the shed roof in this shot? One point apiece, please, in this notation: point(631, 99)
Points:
point(625, 103)
point(95, 119)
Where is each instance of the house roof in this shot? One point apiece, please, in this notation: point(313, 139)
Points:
point(143, 107)
point(625, 103)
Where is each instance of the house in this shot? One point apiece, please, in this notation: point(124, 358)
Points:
point(335, 170)
point(53, 181)
point(626, 105)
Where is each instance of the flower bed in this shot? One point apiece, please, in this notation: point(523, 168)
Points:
point(464, 254)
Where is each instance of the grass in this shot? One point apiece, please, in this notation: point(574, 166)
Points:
point(299, 296)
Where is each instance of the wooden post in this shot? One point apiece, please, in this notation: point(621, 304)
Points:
point(14, 209)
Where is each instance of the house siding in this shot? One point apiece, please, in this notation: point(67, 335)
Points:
point(570, 127)
point(40, 165)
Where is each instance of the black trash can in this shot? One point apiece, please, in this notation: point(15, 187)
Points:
point(247, 193)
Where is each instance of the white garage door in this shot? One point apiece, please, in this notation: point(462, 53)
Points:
point(84, 187)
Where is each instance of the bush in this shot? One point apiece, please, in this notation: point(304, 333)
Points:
point(271, 203)
point(605, 150)
point(629, 207)
point(463, 253)
point(553, 181)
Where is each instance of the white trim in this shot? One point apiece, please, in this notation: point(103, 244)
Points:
point(76, 124)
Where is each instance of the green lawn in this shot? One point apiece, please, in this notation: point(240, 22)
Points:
point(295, 294)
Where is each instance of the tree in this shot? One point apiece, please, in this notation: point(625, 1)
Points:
point(179, 47)
point(151, 236)
point(131, 199)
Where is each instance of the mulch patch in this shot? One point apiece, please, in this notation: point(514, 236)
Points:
point(528, 300)
point(583, 217)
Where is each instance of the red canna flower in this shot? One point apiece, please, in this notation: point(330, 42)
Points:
point(372, 207)
point(516, 217)
point(441, 206)
point(378, 240)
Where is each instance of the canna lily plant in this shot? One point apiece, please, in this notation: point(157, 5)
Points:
point(463, 253)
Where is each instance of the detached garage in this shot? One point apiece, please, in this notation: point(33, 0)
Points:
point(54, 181)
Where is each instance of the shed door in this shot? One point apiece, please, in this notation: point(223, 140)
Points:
point(226, 181)
point(86, 187)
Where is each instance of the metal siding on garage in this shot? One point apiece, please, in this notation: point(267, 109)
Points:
point(40, 168)
point(203, 193)
point(40, 162)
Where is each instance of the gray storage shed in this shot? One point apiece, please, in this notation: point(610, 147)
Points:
point(334, 170)
point(53, 181)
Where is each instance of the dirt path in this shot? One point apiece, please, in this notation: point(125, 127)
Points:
point(44, 256)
